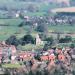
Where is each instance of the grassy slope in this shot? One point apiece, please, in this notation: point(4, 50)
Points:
point(62, 28)
point(5, 32)
point(11, 66)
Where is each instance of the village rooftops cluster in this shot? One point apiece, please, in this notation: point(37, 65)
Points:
point(53, 55)
point(9, 52)
point(6, 51)
point(47, 60)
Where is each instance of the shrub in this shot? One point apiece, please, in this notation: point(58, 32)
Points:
point(27, 39)
point(12, 40)
point(67, 39)
point(72, 45)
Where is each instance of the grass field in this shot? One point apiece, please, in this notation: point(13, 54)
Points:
point(62, 28)
point(11, 66)
point(7, 31)
point(41, 6)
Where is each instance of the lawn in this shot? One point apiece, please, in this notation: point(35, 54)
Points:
point(11, 65)
point(30, 47)
point(62, 28)
point(10, 22)
point(12, 29)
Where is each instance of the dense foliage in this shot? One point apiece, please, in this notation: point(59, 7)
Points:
point(27, 39)
point(12, 40)
point(67, 39)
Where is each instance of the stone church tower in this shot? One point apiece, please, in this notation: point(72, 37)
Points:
point(38, 40)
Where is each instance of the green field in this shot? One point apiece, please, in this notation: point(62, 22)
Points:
point(12, 29)
point(11, 66)
point(41, 6)
point(62, 28)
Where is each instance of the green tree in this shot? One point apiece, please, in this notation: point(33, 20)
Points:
point(42, 28)
point(72, 46)
point(72, 2)
point(12, 40)
point(27, 39)
point(49, 43)
point(32, 8)
point(67, 39)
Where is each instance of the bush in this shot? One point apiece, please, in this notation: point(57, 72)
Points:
point(67, 39)
point(49, 43)
point(12, 40)
point(27, 39)
point(42, 36)
point(72, 45)
point(42, 26)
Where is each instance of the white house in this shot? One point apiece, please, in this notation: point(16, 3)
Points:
point(17, 15)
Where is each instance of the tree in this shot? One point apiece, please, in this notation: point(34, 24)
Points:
point(27, 39)
point(63, 4)
point(49, 39)
point(49, 43)
point(58, 37)
point(12, 40)
point(72, 2)
point(72, 46)
point(42, 36)
point(21, 24)
point(21, 15)
point(32, 8)
point(67, 39)
point(42, 28)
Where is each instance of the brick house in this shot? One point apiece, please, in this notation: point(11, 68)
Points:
point(24, 56)
point(7, 51)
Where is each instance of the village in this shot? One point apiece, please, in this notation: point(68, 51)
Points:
point(49, 60)
point(37, 37)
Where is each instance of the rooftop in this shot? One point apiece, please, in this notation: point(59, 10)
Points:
point(68, 9)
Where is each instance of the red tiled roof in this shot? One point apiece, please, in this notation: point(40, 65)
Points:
point(61, 57)
point(51, 57)
point(68, 9)
point(44, 58)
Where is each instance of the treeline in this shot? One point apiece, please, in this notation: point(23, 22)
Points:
point(12, 40)
point(30, 0)
point(48, 41)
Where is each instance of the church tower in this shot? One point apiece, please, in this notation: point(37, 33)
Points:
point(38, 40)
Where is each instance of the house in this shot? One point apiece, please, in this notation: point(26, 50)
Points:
point(61, 57)
point(44, 58)
point(59, 50)
point(64, 10)
point(17, 15)
point(0, 54)
point(52, 57)
point(27, 18)
point(6, 51)
point(25, 56)
point(13, 49)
